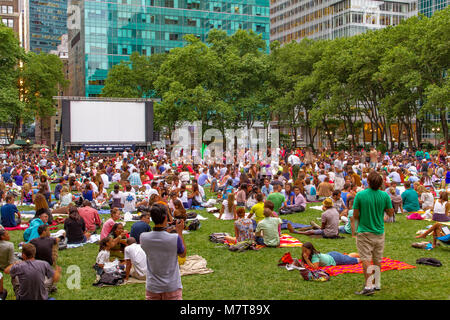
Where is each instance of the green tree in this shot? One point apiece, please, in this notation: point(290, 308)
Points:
point(11, 56)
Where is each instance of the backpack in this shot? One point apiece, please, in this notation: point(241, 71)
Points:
point(218, 237)
point(242, 246)
point(316, 275)
point(191, 215)
point(193, 225)
point(111, 279)
point(429, 261)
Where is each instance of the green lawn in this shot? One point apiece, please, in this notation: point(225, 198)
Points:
point(255, 274)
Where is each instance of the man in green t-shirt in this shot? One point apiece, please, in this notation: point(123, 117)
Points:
point(269, 229)
point(369, 207)
point(277, 198)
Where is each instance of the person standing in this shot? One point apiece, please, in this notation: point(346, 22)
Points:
point(369, 207)
point(162, 250)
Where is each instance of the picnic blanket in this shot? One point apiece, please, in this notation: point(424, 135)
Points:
point(193, 265)
point(288, 241)
point(386, 264)
point(446, 223)
point(25, 226)
point(19, 227)
point(316, 208)
point(92, 239)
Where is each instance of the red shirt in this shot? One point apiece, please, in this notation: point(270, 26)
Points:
point(90, 217)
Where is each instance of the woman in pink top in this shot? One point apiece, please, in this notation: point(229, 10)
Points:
point(108, 225)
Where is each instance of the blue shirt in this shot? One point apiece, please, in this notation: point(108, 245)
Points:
point(202, 179)
point(138, 228)
point(6, 177)
point(19, 180)
point(266, 191)
point(58, 188)
point(8, 212)
point(88, 195)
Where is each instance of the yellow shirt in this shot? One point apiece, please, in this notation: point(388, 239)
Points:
point(258, 211)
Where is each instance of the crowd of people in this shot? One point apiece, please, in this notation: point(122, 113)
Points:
point(361, 190)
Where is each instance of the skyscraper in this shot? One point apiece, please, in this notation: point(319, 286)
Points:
point(102, 33)
point(48, 22)
point(14, 14)
point(428, 7)
point(330, 19)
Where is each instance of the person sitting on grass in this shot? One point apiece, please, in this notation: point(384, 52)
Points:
point(410, 199)
point(103, 256)
point(27, 195)
point(439, 231)
point(7, 256)
point(257, 209)
point(314, 259)
point(41, 206)
point(330, 222)
point(266, 232)
point(30, 276)
point(243, 228)
point(298, 205)
point(90, 216)
point(119, 236)
point(426, 199)
point(8, 213)
point(107, 226)
point(32, 231)
point(338, 203)
point(228, 208)
point(350, 226)
point(441, 210)
point(397, 201)
point(135, 260)
point(141, 226)
point(75, 228)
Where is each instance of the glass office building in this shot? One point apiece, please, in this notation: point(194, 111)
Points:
point(428, 7)
point(110, 30)
point(330, 19)
point(48, 22)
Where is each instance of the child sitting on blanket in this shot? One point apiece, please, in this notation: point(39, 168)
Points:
point(243, 228)
point(103, 256)
point(315, 259)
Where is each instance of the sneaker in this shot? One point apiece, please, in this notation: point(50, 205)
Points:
point(365, 292)
point(377, 288)
point(314, 225)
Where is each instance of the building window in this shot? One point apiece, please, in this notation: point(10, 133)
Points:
point(173, 36)
point(124, 51)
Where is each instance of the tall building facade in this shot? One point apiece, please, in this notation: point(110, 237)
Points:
point(428, 7)
point(329, 19)
point(104, 32)
point(48, 22)
point(14, 14)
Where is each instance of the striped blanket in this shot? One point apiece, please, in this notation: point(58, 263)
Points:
point(386, 264)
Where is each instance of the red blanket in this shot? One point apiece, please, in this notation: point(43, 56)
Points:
point(25, 226)
point(386, 264)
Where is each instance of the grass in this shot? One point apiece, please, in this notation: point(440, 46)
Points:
point(254, 275)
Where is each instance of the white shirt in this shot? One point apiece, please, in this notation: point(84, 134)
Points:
point(94, 186)
point(138, 258)
point(293, 159)
point(129, 201)
point(125, 154)
point(150, 191)
point(102, 257)
point(105, 179)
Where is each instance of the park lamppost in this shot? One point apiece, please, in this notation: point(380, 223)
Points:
point(435, 133)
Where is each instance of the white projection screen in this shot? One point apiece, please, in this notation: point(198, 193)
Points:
point(107, 122)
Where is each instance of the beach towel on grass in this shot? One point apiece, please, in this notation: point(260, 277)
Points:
point(316, 208)
point(386, 264)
